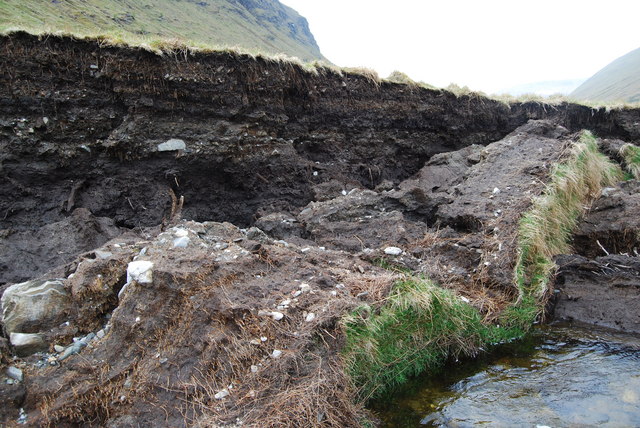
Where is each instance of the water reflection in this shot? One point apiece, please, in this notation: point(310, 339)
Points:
point(560, 376)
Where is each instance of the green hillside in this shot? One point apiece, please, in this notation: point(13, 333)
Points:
point(618, 81)
point(264, 26)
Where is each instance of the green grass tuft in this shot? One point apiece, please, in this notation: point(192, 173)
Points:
point(631, 155)
point(417, 329)
point(546, 229)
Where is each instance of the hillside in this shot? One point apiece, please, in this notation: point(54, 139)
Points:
point(265, 26)
point(618, 81)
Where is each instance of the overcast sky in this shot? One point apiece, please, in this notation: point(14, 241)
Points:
point(488, 45)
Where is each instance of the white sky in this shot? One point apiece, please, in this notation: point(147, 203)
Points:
point(488, 45)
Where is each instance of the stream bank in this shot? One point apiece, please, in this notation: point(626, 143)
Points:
point(210, 219)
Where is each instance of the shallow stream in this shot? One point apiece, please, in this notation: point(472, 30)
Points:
point(559, 376)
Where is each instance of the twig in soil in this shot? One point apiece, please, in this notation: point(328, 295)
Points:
point(601, 247)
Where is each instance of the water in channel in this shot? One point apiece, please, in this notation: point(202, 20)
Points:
point(558, 376)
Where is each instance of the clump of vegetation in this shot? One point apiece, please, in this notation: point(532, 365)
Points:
point(418, 327)
point(400, 77)
point(631, 155)
point(369, 73)
point(545, 230)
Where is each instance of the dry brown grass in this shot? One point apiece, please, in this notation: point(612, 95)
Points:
point(375, 286)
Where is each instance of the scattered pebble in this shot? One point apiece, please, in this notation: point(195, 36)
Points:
point(182, 242)
point(276, 353)
point(221, 394)
point(254, 369)
point(69, 351)
point(393, 251)
point(22, 417)
point(181, 233)
point(310, 317)
point(14, 373)
point(496, 190)
point(102, 254)
point(277, 315)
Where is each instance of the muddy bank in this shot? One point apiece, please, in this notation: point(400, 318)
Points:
point(207, 221)
point(81, 126)
point(601, 283)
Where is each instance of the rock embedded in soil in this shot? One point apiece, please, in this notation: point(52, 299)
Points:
point(26, 344)
point(140, 271)
point(14, 373)
point(393, 251)
point(172, 145)
point(34, 306)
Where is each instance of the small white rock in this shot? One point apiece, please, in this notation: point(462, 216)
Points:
point(464, 299)
point(14, 373)
point(277, 315)
point(310, 317)
point(221, 394)
point(140, 272)
point(171, 145)
point(181, 232)
point(103, 255)
point(263, 338)
point(182, 242)
point(393, 251)
point(254, 369)
point(496, 190)
point(276, 353)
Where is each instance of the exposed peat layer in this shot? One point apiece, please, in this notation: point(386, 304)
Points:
point(313, 237)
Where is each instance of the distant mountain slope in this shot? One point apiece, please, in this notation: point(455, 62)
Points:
point(618, 81)
point(256, 25)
